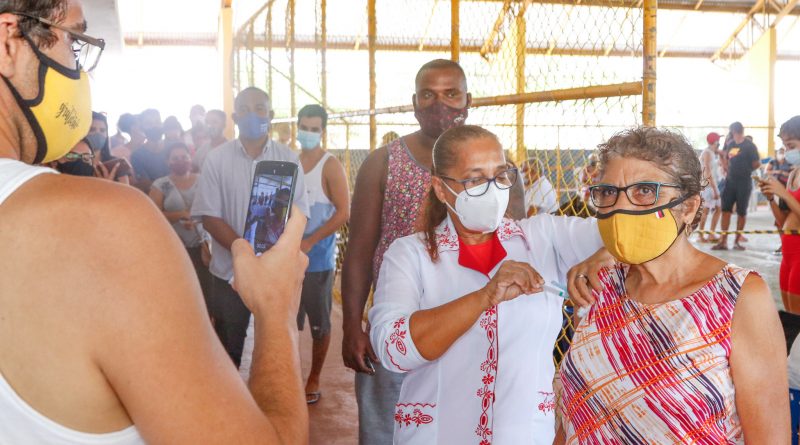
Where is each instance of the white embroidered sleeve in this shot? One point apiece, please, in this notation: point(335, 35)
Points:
point(397, 297)
point(574, 240)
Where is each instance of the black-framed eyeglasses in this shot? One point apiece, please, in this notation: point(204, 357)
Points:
point(87, 49)
point(639, 194)
point(85, 157)
point(479, 186)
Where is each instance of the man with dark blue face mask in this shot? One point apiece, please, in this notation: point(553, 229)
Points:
point(223, 193)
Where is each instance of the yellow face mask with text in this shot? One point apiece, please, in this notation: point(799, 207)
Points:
point(639, 236)
point(61, 115)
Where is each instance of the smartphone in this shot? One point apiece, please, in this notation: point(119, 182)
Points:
point(271, 199)
point(760, 179)
point(123, 170)
point(369, 364)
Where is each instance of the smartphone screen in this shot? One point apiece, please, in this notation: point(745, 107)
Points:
point(270, 201)
point(124, 168)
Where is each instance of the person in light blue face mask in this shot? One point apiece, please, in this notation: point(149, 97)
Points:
point(329, 206)
point(221, 198)
point(253, 116)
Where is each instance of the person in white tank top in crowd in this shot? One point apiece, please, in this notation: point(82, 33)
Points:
point(127, 356)
point(329, 204)
point(709, 160)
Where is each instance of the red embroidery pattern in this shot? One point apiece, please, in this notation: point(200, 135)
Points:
point(446, 239)
point(489, 367)
point(508, 230)
point(398, 336)
point(397, 339)
point(416, 416)
point(548, 404)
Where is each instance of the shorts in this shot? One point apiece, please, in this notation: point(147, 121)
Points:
point(736, 192)
point(708, 198)
point(790, 264)
point(315, 300)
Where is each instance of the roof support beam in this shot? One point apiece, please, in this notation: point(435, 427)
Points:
point(740, 7)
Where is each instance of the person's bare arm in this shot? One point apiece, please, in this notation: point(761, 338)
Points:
point(276, 384)
point(365, 231)
point(777, 212)
point(723, 160)
point(220, 231)
point(158, 200)
point(707, 167)
point(339, 193)
point(758, 366)
point(772, 187)
point(560, 438)
point(154, 343)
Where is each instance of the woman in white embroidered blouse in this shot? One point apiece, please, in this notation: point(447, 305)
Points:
point(460, 306)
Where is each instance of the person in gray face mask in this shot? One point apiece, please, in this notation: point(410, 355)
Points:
point(105, 165)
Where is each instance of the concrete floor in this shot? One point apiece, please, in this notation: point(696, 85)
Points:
point(759, 255)
point(334, 420)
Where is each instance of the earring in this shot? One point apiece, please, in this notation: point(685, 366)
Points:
point(688, 229)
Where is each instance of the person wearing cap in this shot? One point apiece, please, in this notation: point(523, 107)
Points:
point(740, 159)
point(709, 160)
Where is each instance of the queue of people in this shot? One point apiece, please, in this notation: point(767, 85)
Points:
point(672, 345)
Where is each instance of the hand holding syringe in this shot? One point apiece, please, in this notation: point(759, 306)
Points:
point(561, 291)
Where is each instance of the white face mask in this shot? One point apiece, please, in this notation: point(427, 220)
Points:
point(480, 213)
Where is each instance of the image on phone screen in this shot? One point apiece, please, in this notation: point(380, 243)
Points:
point(270, 200)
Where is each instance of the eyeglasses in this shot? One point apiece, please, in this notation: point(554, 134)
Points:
point(87, 49)
point(639, 194)
point(478, 186)
point(85, 157)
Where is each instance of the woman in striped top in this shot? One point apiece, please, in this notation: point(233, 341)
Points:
point(678, 346)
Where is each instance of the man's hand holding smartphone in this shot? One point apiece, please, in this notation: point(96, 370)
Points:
point(270, 284)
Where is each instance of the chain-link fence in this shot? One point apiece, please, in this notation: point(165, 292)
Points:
point(551, 78)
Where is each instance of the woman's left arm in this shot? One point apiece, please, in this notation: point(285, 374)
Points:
point(758, 366)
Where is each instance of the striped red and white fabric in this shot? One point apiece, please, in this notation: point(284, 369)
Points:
point(653, 373)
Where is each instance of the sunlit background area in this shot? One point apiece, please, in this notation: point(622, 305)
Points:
point(166, 55)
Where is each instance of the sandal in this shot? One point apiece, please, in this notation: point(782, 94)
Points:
point(738, 246)
point(719, 247)
point(313, 397)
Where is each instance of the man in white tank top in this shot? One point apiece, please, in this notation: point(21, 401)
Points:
point(329, 209)
point(105, 339)
point(711, 203)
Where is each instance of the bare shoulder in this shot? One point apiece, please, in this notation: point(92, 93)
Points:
point(373, 171)
point(62, 203)
point(332, 164)
point(378, 158)
point(87, 227)
point(95, 244)
point(755, 308)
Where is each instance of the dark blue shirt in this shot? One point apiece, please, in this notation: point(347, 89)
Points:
point(149, 164)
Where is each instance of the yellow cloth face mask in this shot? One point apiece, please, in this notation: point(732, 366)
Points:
point(61, 115)
point(639, 236)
